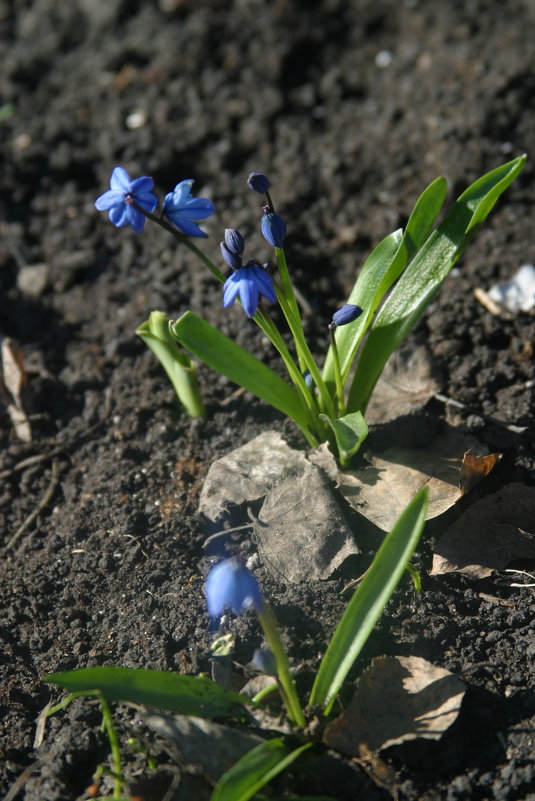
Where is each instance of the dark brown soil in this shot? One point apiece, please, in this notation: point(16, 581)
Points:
point(111, 570)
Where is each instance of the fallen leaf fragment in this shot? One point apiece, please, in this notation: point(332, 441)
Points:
point(14, 379)
point(382, 490)
point(475, 468)
point(491, 534)
point(406, 384)
point(397, 699)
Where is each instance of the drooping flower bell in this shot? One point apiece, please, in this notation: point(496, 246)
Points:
point(184, 211)
point(249, 282)
point(120, 198)
point(346, 314)
point(273, 228)
point(230, 585)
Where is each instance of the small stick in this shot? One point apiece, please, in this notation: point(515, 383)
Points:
point(45, 500)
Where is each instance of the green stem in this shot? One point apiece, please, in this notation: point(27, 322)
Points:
point(337, 374)
point(288, 692)
point(115, 747)
point(286, 284)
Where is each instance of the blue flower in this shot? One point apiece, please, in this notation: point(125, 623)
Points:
point(249, 282)
point(264, 660)
point(121, 196)
point(182, 209)
point(273, 229)
point(231, 585)
point(346, 314)
point(232, 248)
point(258, 182)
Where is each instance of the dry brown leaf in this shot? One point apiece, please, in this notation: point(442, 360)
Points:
point(475, 468)
point(493, 532)
point(406, 384)
point(381, 491)
point(14, 379)
point(397, 699)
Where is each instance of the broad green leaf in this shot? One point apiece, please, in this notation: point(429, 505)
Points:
point(382, 268)
point(350, 432)
point(221, 353)
point(423, 277)
point(177, 364)
point(368, 601)
point(186, 695)
point(255, 769)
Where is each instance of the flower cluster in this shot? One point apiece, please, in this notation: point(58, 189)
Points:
point(126, 201)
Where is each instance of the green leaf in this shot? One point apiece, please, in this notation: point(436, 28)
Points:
point(423, 277)
point(350, 432)
point(221, 353)
point(368, 601)
point(177, 364)
point(186, 695)
point(381, 269)
point(255, 769)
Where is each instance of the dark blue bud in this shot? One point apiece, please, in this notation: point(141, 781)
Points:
point(346, 314)
point(233, 259)
point(258, 182)
point(264, 660)
point(273, 229)
point(234, 241)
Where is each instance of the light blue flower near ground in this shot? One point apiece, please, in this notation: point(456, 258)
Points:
point(121, 196)
point(184, 211)
point(249, 282)
point(230, 585)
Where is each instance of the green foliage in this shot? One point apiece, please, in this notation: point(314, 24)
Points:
point(187, 695)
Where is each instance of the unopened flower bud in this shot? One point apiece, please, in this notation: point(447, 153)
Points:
point(346, 314)
point(234, 241)
point(273, 229)
point(258, 182)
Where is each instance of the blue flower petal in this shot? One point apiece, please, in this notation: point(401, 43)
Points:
point(140, 186)
point(196, 208)
point(231, 287)
point(109, 199)
point(118, 216)
point(146, 200)
point(265, 283)
point(187, 227)
point(120, 180)
point(135, 218)
point(181, 192)
point(249, 293)
point(231, 585)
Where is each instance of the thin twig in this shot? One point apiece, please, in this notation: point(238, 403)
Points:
point(17, 785)
point(45, 500)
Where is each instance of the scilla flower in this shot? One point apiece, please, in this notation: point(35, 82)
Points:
point(346, 314)
point(120, 198)
point(249, 282)
point(182, 209)
point(273, 228)
point(230, 585)
point(232, 248)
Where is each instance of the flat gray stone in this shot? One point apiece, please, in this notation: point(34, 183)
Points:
point(248, 473)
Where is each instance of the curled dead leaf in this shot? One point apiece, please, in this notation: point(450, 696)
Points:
point(397, 699)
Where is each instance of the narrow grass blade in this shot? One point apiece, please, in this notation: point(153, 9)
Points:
point(368, 601)
point(255, 770)
point(382, 268)
point(422, 278)
point(221, 353)
point(187, 695)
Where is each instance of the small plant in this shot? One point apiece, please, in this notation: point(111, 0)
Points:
point(231, 585)
point(392, 290)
